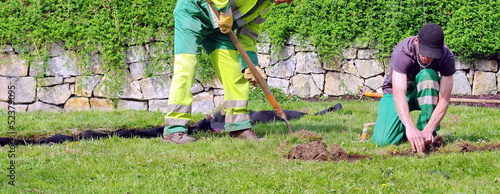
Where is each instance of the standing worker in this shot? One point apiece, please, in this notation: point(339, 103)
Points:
point(414, 84)
point(196, 25)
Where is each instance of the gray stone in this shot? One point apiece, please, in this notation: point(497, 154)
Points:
point(95, 64)
point(4, 106)
point(135, 54)
point(484, 83)
point(470, 75)
point(24, 88)
point(158, 105)
point(85, 85)
point(366, 53)
point(131, 91)
point(461, 63)
point(50, 81)
point(279, 83)
point(486, 65)
point(77, 104)
point(40, 106)
point(20, 107)
point(4, 86)
point(350, 53)
point(285, 53)
point(215, 83)
point(264, 60)
point(374, 83)
point(63, 65)
point(333, 64)
point(368, 68)
point(337, 84)
point(263, 48)
point(284, 69)
point(37, 68)
point(461, 84)
point(498, 80)
point(350, 68)
point(308, 63)
point(69, 80)
point(203, 103)
point(72, 88)
point(304, 86)
point(101, 104)
point(155, 87)
point(197, 88)
point(8, 48)
point(218, 102)
point(301, 43)
point(57, 95)
point(55, 49)
point(218, 92)
point(12, 65)
point(134, 105)
point(319, 79)
point(128, 90)
point(137, 70)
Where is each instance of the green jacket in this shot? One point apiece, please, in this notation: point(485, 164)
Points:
point(249, 16)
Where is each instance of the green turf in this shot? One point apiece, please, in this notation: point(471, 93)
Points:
point(219, 164)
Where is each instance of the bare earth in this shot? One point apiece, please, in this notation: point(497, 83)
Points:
point(318, 150)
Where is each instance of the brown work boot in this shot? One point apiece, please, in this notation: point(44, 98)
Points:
point(245, 134)
point(178, 138)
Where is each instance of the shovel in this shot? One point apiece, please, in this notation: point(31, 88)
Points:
point(258, 77)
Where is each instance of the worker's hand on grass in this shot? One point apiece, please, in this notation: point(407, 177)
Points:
point(226, 21)
point(428, 136)
point(416, 139)
point(249, 76)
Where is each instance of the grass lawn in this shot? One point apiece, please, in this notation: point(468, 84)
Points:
point(219, 164)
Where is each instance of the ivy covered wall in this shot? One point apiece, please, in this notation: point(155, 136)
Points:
point(73, 46)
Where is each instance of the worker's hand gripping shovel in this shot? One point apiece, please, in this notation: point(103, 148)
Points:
point(253, 69)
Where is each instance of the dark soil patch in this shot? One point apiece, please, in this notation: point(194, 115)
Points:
point(477, 104)
point(459, 147)
point(317, 150)
point(468, 147)
point(434, 147)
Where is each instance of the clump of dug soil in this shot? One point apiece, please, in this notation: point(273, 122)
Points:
point(459, 147)
point(468, 147)
point(317, 150)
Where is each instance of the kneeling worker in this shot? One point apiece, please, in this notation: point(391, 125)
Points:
point(414, 84)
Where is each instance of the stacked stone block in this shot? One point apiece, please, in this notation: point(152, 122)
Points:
point(62, 85)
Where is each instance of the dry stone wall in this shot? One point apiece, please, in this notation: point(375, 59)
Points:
point(294, 68)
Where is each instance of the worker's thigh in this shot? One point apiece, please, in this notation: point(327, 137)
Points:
point(388, 127)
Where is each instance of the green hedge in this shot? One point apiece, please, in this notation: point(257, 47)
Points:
point(85, 25)
point(472, 27)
